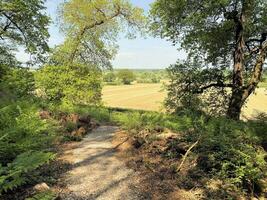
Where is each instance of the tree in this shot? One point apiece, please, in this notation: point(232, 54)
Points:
point(23, 23)
point(77, 84)
point(18, 82)
point(109, 77)
point(228, 37)
point(92, 27)
point(126, 76)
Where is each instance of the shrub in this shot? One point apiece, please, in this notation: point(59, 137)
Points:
point(18, 81)
point(46, 195)
point(79, 84)
point(231, 151)
point(148, 78)
point(12, 175)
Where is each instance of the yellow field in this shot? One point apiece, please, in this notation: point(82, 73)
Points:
point(151, 96)
point(137, 96)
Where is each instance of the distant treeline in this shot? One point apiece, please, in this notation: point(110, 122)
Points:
point(127, 76)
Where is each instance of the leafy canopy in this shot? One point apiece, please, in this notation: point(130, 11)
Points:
point(208, 27)
point(79, 84)
point(226, 45)
point(92, 27)
point(23, 23)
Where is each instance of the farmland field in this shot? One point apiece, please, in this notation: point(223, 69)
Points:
point(137, 96)
point(151, 96)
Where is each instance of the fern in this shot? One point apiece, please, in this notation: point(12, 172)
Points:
point(12, 176)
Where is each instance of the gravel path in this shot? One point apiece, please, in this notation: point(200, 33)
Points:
point(97, 173)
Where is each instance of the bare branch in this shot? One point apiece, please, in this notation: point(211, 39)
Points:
point(186, 154)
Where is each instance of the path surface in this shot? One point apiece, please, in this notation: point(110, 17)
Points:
point(97, 173)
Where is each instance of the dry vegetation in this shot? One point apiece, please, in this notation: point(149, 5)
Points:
point(151, 97)
point(136, 96)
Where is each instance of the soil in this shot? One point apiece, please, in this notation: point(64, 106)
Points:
point(97, 173)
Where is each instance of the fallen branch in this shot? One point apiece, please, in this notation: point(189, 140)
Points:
point(186, 154)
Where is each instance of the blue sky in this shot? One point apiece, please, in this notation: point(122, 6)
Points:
point(146, 52)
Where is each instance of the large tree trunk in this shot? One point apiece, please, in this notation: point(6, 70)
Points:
point(240, 95)
point(236, 102)
point(241, 92)
point(235, 105)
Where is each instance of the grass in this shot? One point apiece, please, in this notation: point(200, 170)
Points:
point(129, 118)
point(228, 150)
point(150, 97)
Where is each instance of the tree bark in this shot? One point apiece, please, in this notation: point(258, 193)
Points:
point(236, 102)
point(240, 95)
point(241, 92)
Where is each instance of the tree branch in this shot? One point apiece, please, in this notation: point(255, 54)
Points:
point(5, 28)
point(261, 40)
point(17, 26)
point(257, 71)
point(256, 48)
point(202, 89)
point(186, 154)
point(81, 34)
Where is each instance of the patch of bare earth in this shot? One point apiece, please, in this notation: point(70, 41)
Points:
point(150, 153)
point(157, 177)
point(96, 172)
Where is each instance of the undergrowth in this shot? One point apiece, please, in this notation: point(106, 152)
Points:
point(231, 151)
point(26, 142)
point(228, 150)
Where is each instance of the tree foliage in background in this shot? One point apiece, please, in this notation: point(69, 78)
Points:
point(126, 76)
point(153, 76)
point(227, 37)
point(109, 77)
point(23, 23)
point(91, 29)
point(18, 82)
point(78, 84)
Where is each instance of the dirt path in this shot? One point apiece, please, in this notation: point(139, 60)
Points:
point(97, 173)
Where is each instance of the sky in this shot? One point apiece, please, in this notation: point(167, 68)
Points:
point(147, 53)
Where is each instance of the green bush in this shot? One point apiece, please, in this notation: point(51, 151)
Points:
point(17, 81)
point(150, 120)
point(231, 151)
point(79, 84)
point(148, 78)
point(46, 195)
point(109, 77)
